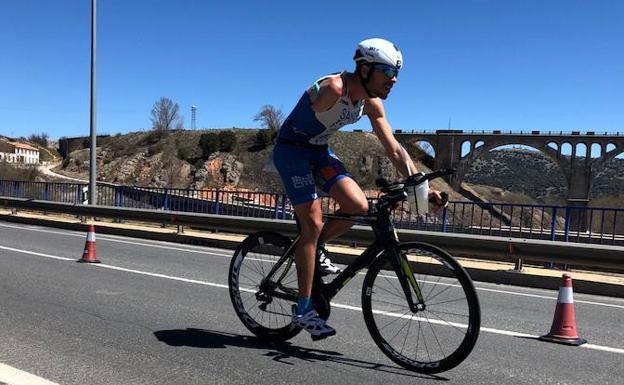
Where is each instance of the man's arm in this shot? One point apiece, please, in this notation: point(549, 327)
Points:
point(327, 94)
point(397, 154)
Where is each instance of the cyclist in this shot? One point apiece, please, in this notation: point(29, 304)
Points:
point(303, 159)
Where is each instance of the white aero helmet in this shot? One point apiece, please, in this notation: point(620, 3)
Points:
point(378, 51)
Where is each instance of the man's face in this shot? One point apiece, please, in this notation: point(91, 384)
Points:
point(382, 79)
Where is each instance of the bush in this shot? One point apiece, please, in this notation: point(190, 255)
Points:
point(263, 138)
point(153, 137)
point(10, 172)
point(209, 143)
point(47, 155)
point(155, 148)
point(227, 141)
point(185, 153)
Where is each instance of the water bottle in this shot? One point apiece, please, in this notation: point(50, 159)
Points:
point(418, 196)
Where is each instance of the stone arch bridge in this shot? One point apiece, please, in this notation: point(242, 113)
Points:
point(578, 168)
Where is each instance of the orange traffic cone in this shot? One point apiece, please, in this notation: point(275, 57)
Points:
point(89, 256)
point(563, 329)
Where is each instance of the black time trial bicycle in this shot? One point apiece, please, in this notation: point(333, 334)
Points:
point(419, 304)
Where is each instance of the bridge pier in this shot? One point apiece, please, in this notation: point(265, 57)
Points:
point(576, 217)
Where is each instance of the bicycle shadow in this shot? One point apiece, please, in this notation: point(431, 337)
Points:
point(279, 352)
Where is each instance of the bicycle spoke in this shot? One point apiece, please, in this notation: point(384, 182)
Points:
point(433, 286)
point(400, 294)
point(409, 327)
point(395, 320)
point(435, 336)
point(439, 293)
point(447, 301)
point(451, 324)
point(399, 331)
point(392, 303)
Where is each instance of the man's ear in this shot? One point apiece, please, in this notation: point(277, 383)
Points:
point(364, 70)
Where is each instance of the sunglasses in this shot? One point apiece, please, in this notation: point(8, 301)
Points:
point(389, 71)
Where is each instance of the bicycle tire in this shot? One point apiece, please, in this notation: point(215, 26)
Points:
point(448, 318)
point(268, 318)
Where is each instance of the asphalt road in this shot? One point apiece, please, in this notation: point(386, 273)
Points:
point(160, 313)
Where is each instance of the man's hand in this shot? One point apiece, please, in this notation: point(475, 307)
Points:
point(439, 199)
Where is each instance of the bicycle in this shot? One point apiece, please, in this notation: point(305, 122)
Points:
point(412, 291)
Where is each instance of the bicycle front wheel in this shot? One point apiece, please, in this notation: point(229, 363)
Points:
point(443, 332)
point(263, 285)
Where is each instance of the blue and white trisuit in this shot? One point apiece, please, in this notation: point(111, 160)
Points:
point(302, 156)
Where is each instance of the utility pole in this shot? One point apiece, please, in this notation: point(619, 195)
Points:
point(92, 165)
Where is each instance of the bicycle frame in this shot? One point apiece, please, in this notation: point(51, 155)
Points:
point(386, 241)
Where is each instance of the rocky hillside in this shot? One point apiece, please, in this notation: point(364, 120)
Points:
point(534, 174)
point(176, 159)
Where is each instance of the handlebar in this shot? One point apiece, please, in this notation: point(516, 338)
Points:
point(412, 180)
point(396, 191)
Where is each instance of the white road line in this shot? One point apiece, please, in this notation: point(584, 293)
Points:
point(174, 278)
point(13, 376)
point(550, 297)
point(35, 253)
point(338, 305)
point(523, 294)
point(111, 238)
point(216, 252)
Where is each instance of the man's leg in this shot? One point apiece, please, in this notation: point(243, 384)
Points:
point(304, 314)
point(311, 221)
point(351, 200)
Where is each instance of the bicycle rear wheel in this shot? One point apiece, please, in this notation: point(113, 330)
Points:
point(264, 305)
point(436, 338)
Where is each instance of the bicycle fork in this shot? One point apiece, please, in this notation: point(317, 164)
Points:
point(408, 282)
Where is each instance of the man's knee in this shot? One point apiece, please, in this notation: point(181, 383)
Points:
point(357, 207)
point(311, 227)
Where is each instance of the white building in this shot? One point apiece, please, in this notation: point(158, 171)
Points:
point(15, 152)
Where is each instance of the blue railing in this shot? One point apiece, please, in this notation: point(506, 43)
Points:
point(549, 222)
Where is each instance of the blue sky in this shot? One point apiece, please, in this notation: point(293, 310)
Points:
point(498, 64)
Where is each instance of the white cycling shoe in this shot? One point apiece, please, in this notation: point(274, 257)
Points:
point(325, 264)
point(312, 322)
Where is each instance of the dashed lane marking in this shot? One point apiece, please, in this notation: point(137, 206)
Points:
point(13, 376)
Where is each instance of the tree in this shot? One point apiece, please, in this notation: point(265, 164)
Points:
point(166, 116)
point(227, 141)
point(40, 139)
point(209, 143)
point(270, 117)
point(263, 138)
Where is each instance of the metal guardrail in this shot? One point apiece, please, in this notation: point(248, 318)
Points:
point(596, 225)
point(478, 246)
point(213, 201)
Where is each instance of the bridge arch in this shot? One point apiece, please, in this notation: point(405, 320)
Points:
point(466, 161)
point(609, 152)
point(466, 148)
point(546, 184)
point(596, 150)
